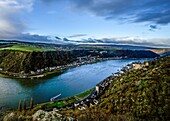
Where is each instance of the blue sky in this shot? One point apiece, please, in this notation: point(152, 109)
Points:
point(142, 22)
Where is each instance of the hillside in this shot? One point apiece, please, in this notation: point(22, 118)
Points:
point(25, 59)
point(141, 94)
point(17, 61)
point(160, 51)
point(138, 95)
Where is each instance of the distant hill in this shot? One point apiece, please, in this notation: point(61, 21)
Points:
point(17, 61)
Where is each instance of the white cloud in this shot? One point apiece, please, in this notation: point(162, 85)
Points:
point(11, 24)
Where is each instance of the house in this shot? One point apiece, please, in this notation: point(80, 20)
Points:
point(32, 72)
point(95, 101)
point(82, 108)
point(46, 68)
point(55, 109)
point(42, 70)
point(137, 66)
point(38, 71)
point(94, 96)
point(146, 64)
point(98, 89)
point(76, 104)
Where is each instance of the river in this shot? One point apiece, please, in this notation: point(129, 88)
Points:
point(71, 82)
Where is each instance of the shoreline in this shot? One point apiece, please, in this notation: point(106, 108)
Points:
point(102, 86)
point(54, 72)
point(73, 102)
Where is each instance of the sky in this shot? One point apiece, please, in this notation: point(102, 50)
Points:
point(139, 22)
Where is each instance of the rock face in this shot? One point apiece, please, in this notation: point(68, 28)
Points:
point(41, 115)
point(17, 61)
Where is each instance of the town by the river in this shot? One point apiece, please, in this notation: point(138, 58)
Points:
point(69, 83)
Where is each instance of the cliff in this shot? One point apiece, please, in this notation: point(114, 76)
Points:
point(17, 61)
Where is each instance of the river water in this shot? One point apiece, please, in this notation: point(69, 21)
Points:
point(71, 82)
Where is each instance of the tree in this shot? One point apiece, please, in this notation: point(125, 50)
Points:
point(31, 103)
point(25, 105)
point(20, 106)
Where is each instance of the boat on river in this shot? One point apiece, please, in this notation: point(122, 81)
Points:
point(54, 98)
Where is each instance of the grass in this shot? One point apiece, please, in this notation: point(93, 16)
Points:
point(71, 101)
point(61, 103)
point(26, 48)
point(67, 101)
point(57, 104)
point(85, 94)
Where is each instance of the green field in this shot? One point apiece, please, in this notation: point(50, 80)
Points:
point(85, 94)
point(67, 101)
point(28, 48)
point(61, 103)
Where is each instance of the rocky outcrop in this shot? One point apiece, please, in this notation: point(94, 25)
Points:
point(41, 115)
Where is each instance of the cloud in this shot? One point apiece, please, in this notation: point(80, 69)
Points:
point(11, 24)
point(58, 38)
point(34, 37)
point(65, 39)
point(39, 38)
point(129, 41)
point(77, 35)
point(153, 27)
point(154, 11)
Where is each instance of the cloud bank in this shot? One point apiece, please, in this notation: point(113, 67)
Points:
point(154, 11)
point(77, 35)
point(130, 41)
point(11, 23)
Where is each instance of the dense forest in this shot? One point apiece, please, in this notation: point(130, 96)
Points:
point(17, 61)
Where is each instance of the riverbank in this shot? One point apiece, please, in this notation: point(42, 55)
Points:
point(90, 96)
point(47, 106)
point(72, 100)
point(80, 101)
point(52, 71)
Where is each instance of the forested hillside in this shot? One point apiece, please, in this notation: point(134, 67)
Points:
point(29, 60)
point(141, 94)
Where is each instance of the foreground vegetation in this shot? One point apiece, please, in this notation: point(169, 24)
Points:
point(141, 94)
